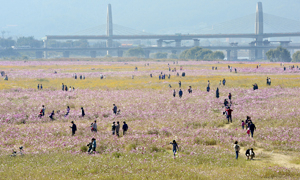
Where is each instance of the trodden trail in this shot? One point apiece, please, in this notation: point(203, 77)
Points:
point(279, 158)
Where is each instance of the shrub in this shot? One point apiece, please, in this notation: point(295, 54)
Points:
point(130, 147)
point(83, 149)
point(117, 154)
point(153, 131)
point(210, 142)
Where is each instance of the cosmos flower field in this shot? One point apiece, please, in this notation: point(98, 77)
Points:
point(154, 116)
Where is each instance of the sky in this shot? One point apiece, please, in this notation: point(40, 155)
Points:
point(62, 17)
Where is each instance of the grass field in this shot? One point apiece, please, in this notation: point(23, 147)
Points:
point(154, 116)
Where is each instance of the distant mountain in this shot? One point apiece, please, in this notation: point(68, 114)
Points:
point(47, 17)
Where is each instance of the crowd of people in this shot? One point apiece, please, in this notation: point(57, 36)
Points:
point(247, 125)
point(64, 87)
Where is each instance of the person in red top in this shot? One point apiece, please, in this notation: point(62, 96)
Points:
point(228, 112)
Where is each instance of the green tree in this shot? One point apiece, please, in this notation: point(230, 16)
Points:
point(135, 52)
point(8, 52)
point(279, 54)
point(160, 55)
point(203, 54)
point(217, 55)
point(296, 56)
point(200, 54)
point(7, 43)
point(29, 41)
point(190, 53)
point(173, 56)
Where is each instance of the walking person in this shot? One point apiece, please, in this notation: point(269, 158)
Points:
point(38, 87)
point(224, 81)
point(180, 93)
point(179, 83)
point(174, 93)
point(43, 110)
point(74, 128)
point(252, 128)
point(237, 149)
point(113, 128)
point(190, 89)
point(217, 93)
point(92, 146)
point(82, 112)
point(125, 128)
point(229, 97)
point(228, 111)
point(41, 87)
point(115, 109)
point(243, 124)
point(66, 88)
point(94, 126)
point(51, 115)
point(117, 128)
point(62, 86)
point(248, 131)
point(207, 88)
point(208, 83)
point(68, 111)
point(175, 147)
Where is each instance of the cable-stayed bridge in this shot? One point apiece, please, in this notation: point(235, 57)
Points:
point(258, 26)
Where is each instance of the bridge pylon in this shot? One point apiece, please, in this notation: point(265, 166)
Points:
point(109, 28)
point(259, 30)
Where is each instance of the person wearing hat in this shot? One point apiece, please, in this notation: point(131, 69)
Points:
point(73, 127)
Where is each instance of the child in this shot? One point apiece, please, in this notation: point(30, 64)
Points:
point(243, 124)
point(175, 147)
point(92, 127)
point(248, 132)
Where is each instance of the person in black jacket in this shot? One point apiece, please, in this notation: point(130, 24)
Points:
point(73, 127)
point(250, 154)
point(217, 93)
point(252, 128)
point(51, 115)
point(125, 128)
point(113, 128)
point(180, 93)
point(82, 112)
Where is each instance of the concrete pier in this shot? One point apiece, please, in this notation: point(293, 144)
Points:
point(66, 54)
point(196, 42)
point(39, 54)
point(147, 53)
point(93, 54)
point(228, 55)
point(120, 53)
point(45, 46)
point(177, 42)
point(159, 43)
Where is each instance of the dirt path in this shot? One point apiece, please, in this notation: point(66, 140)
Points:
point(263, 156)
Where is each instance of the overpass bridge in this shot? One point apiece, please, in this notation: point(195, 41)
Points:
point(174, 37)
point(231, 55)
